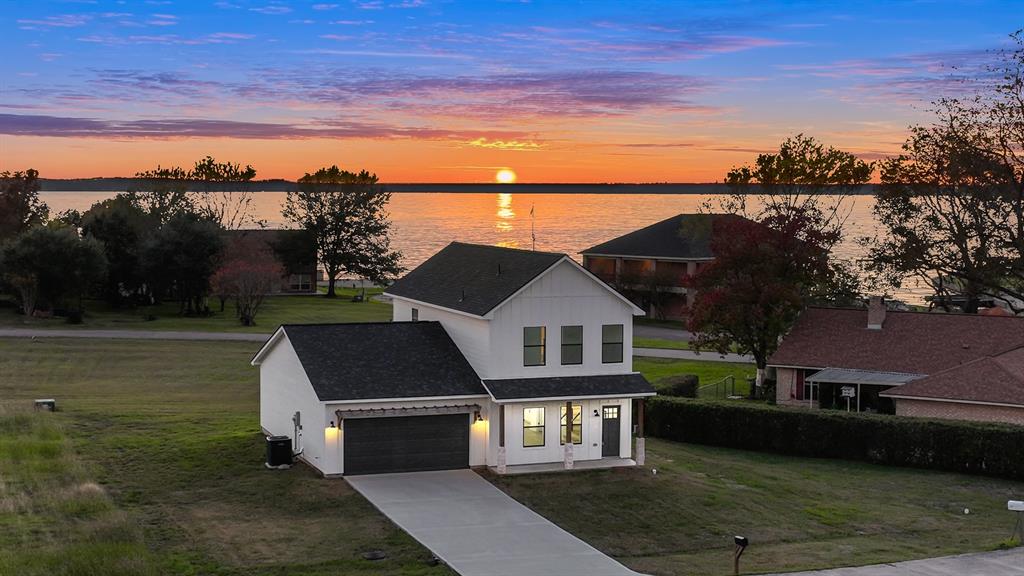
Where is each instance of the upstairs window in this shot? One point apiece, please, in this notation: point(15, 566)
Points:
point(577, 425)
point(534, 338)
point(533, 427)
point(415, 314)
point(611, 343)
point(572, 345)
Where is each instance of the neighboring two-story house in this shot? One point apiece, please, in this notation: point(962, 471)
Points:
point(650, 265)
point(496, 357)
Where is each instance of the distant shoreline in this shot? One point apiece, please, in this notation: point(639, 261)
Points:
point(123, 184)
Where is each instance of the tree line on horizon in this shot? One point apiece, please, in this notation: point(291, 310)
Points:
point(168, 239)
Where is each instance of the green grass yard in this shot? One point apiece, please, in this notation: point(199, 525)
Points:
point(798, 513)
point(276, 310)
point(656, 369)
point(164, 440)
point(154, 466)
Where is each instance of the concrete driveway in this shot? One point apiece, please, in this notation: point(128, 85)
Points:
point(1001, 563)
point(477, 529)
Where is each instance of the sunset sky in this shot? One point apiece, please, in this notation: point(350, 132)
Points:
point(441, 91)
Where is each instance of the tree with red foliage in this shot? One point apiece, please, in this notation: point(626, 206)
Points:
point(763, 274)
point(249, 272)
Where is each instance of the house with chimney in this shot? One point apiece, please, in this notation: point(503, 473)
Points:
point(956, 366)
point(650, 265)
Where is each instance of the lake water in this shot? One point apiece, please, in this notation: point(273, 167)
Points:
point(426, 222)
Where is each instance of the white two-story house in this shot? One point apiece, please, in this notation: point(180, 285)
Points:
point(511, 359)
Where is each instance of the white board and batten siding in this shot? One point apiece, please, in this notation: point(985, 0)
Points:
point(285, 390)
point(553, 450)
point(563, 296)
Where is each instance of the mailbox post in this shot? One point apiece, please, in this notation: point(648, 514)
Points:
point(1018, 528)
point(741, 545)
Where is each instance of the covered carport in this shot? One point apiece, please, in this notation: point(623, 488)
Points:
point(855, 390)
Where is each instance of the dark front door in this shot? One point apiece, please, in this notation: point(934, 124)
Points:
point(406, 443)
point(610, 431)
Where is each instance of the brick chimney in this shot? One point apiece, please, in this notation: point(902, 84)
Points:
point(876, 313)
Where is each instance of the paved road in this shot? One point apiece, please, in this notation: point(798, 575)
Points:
point(1001, 563)
point(130, 334)
point(691, 355)
point(477, 529)
point(661, 332)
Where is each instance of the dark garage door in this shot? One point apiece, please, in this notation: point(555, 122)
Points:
point(406, 443)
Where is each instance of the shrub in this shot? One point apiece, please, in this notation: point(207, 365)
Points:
point(968, 447)
point(682, 385)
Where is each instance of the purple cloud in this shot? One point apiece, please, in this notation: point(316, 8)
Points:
point(69, 127)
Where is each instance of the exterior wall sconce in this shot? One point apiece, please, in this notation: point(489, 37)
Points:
point(477, 417)
point(596, 413)
point(332, 424)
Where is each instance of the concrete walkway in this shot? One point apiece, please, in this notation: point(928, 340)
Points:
point(477, 529)
point(691, 355)
point(1000, 563)
point(130, 334)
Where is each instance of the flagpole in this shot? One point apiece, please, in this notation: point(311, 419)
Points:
point(533, 229)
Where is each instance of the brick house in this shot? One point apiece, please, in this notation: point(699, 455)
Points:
point(958, 366)
point(649, 265)
point(294, 249)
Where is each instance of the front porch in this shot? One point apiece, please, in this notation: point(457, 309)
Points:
point(543, 467)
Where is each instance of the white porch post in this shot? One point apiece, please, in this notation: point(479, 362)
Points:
point(502, 466)
point(641, 444)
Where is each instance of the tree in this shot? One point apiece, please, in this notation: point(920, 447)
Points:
point(952, 203)
point(346, 212)
point(804, 180)
point(20, 206)
point(121, 226)
point(162, 193)
point(250, 271)
point(51, 266)
point(224, 195)
point(181, 257)
point(763, 275)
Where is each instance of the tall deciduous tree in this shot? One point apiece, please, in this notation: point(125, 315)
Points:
point(249, 272)
point(346, 212)
point(162, 193)
point(181, 257)
point(952, 203)
point(51, 267)
point(122, 227)
point(224, 195)
point(764, 273)
point(20, 205)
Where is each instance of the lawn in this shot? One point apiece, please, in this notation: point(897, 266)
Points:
point(639, 342)
point(798, 513)
point(708, 371)
point(154, 465)
point(276, 310)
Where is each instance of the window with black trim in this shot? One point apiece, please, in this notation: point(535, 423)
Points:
point(534, 338)
point(533, 427)
point(577, 425)
point(611, 343)
point(572, 344)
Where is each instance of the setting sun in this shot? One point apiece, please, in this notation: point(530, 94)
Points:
point(505, 176)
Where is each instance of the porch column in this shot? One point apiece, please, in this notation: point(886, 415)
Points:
point(502, 467)
point(641, 448)
point(568, 434)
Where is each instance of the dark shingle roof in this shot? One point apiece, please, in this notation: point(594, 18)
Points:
point(995, 379)
point(911, 342)
point(681, 236)
point(382, 360)
point(569, 386)
point(472, 278)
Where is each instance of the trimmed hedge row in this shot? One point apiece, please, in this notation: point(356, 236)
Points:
point(973, 448)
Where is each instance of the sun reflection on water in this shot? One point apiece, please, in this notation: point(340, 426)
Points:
point(505, 214)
